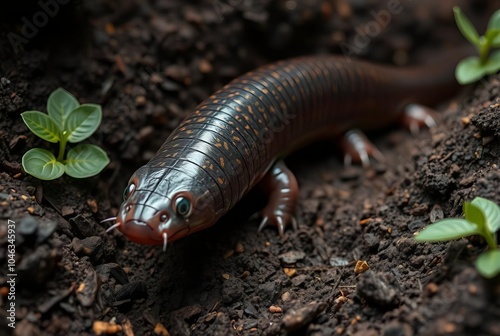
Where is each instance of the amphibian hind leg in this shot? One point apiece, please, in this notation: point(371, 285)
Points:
point(358, 149)
point(415, 117)
point(281, 186)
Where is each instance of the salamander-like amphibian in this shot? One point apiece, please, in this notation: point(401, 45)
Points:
point(236, 138)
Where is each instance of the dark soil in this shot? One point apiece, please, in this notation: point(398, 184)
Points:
point(148, 63)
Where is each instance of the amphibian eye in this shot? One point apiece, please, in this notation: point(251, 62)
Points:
point(182, 206)
point(130, 189)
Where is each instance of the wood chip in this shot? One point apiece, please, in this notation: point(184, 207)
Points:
point(290, 271)
point(80, 288)
point(102, 327)
point(465, 121)
point(364, 221)
point(361, 267)
point(161, 330)
point(127, 328)
point(245, 275)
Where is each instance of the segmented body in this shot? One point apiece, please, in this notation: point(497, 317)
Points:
point(234, 136)
point(224, 147)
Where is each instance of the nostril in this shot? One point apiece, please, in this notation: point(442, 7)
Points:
point(163, 217)
point(128, 208)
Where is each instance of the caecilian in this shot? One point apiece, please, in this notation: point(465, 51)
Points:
point(237, 138)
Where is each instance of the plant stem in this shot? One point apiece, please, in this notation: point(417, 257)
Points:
point(483, 51)
point(62, 148)
point(488, 236)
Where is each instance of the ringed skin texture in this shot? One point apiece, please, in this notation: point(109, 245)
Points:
point(233, 138)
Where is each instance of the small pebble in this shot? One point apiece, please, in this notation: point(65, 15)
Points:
point(27, 226)
point(92, 203)
point(295, 319)
point(292, 257)
point(275, 309)
point(67, 211)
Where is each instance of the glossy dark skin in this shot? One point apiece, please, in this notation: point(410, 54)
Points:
point(236, 136)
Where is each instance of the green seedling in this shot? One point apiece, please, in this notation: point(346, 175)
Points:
point(66, 121)
point(474, 68)
point(482, 217)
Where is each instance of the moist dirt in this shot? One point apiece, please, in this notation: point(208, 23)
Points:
point(351, 268)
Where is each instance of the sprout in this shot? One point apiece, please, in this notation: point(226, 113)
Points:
point(66, 121)
point(474, 68)
point(482, 217)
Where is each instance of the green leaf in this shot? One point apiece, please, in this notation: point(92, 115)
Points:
point(82, 122)
point(475, 214)
point(469, 70)
point(59, 105)
point(488, 263)
point(42, 164)
point(491, 35)
point(494, 22)
point(466, 27)
point(493, 26)
point(41, 125)
point(491, 212)
point(493, 63)
point(495, 43)
point(85, 161)
point(447, 229)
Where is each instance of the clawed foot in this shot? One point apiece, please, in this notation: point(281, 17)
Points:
point(281, 220)
point(416, 117)
point(282, 188)
point(359, 149)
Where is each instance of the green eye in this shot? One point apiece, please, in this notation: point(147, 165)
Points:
point(128, 191)
point(182, 206)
